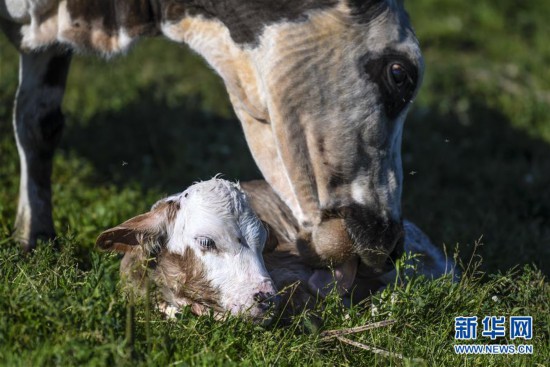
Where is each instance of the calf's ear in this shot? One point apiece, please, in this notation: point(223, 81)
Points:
point(271, 241)
point(147, 230)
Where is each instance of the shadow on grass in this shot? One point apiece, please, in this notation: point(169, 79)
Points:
point(466, 177)
point(161, 147)
point(475, 176)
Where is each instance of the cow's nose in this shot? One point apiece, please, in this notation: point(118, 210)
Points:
point(266, 300)
point(377, 238)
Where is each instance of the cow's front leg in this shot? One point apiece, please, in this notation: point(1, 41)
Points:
point(38, 124)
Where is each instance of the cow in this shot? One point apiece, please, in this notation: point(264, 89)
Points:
point(321, 87)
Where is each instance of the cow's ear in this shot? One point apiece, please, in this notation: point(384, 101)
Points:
point(147, 230)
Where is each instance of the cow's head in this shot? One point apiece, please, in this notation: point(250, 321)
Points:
point(322, 88)
point(205, 245)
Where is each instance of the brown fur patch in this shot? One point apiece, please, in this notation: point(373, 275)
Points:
point(147, 229)
point(104, 25)
point(328, 244)
point(184, 277)
point(181, 280)
point(133, 270)
point(137, 17)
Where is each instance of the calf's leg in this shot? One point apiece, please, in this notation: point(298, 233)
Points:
point(38, 123)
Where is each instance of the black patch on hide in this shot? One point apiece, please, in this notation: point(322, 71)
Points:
point(367, 10)
point(245, 19)
point(58, 68)
point(394, 98)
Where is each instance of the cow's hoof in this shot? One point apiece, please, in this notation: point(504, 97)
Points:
point(29, 242)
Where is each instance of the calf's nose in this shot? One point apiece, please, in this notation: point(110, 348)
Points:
point(266, 300)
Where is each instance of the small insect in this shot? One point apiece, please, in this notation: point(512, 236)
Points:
point(412, 173)
point(447, 140)
point(124, 163)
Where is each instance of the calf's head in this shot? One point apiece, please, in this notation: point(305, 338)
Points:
point(206, 245)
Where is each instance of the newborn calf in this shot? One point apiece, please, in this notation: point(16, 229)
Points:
point(202, 248)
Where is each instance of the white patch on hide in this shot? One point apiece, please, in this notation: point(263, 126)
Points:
point(124, 40)
point(17, 10)
point(42, 30)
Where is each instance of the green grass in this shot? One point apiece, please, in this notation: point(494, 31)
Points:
point(478, 139)
point(58, 311)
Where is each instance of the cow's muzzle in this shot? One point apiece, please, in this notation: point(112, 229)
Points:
point(357, 230)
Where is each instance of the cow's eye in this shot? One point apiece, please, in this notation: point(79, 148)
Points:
point(401, 79)
point(206, 243)
point(396, 78)
point(399, 74)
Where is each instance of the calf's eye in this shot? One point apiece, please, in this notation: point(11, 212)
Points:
point(206, 243)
